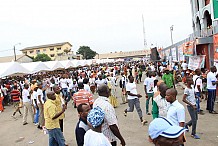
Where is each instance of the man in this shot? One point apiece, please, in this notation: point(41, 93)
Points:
point(86, 86)
point(27, 105)
point(82, 96)
point(160, 104)
point(176, 111)
point(211, 86)
point(59, 102)
point(40, 104)
point(149, 90)
point(198, 89)
point(82, 125)
point(133, 99)
point(110, 126)
point(168, 78)
point(123, 82)
point(15, 96)
point(100, 81)
point(52, 121)
point(184, 66)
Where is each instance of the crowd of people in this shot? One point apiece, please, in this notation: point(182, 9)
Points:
point(46, 96)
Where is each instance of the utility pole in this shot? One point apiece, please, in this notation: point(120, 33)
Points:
point(15, 57)
point(171, 32)
point(145, 42)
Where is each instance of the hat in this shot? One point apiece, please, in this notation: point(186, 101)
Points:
point(95, 117)
point(166, 69)
point(162, 126)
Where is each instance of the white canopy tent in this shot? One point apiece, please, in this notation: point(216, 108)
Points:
point(54, 65)
point(12, 69)
point(67, 64)
point(35, 67)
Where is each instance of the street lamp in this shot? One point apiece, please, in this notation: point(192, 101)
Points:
point(15, 58)
point(171, 32)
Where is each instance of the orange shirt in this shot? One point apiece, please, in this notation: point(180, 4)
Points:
point(83, 96)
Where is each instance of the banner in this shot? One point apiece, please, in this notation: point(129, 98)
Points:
point(174, 56)
point(215, 44)
point(196, 62)
point(180, 53)
point(215, 8)
point(188, 48)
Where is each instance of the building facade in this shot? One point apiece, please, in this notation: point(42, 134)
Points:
point(52, 50)
point(201, 41)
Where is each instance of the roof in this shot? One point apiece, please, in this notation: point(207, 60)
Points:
point(46, 46)
point(11, 58)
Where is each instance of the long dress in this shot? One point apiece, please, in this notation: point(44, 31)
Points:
point(112, 87)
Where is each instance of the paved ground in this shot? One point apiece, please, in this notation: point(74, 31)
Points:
point(13, 133)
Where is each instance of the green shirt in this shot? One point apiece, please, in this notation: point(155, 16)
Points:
point(168, 80)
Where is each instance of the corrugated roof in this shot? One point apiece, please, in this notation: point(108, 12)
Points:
point(46, 46)
point(11, 58)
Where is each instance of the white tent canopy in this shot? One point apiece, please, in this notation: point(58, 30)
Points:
point(67, 64)
point(12, 69)
point(54, 65)
point(35, 67)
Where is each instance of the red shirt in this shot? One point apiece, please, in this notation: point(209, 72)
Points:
point(15, 94)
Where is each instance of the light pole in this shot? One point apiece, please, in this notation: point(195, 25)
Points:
point(171, 32)
point(15, 58)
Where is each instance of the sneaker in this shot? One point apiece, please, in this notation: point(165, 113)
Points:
point(186, 127)
point(25, 123)
point(148, 113)
point(36, 124)
point(195, 136)
point(125, 113)
point(144, 122)
point(39, 127)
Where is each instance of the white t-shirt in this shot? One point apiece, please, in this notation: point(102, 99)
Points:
point(149, 82)
point(25, 95)
point(63, 83)
point(211, 77)
point(34, 96)
point(73, 87)
point(99, 82)
point(184, 66)
point(80, 80)
point(131, 87)
point(93, 138)
point(87, 88)
point(190, 95)
point(39, 92)
point(92, 81)
point(198, 82)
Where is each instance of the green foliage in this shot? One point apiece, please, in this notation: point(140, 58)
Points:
point(86, 52)
point(42, 57)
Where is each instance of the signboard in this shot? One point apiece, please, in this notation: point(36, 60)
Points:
point(196, 62)
point(215, 44)
point(215, 8)
point(174, 56)
point(180, 53)
point(188, 48)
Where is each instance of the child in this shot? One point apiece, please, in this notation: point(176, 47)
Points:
point(190, 100)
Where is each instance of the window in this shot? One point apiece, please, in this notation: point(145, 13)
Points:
point(52, 55)
point(37, 51)
point(51, 49)
point(60, 54)
point(44, 50)
point(31, 52)
point(59, 48)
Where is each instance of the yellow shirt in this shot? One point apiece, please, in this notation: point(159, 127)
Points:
point(50, 110)
point(58, 104)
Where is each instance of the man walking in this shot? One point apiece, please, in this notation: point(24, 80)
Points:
point(133, 99)
point(110, 126)
point(27, 105)
point(168, 78)
point(40, 104)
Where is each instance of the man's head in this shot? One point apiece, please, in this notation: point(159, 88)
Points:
point(213, 69)
point(85, 81)
point(56, 89)
point(131, 79)
point(163, 88)
point(83, 110)
point(39, 84)
point(26, 86)
point(189, 81)
point(100, 77)
point(166, 70)
point(51, 95)
point(103, 90)
point(171, 95)
point(80, 85)
point(198, 72)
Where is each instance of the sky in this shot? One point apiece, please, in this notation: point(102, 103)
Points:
point(103, 25)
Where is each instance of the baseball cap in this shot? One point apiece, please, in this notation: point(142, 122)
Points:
point(162, 126)
point(95, 117)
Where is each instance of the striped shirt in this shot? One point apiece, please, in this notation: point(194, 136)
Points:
point(15, 94)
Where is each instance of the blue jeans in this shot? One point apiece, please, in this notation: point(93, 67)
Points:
point(198, 95)
point(56, 137)
point(36, 116)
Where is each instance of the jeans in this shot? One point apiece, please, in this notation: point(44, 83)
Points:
point(56, 137)
point(194, 117)
point(65, 94)
point(150, 95)
point(131, 104)
point(198, 95)
point(211, 99)
point(36, 116)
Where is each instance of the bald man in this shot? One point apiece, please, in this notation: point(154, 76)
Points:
point(112, 133)
point(52, 115)
point(176, 111)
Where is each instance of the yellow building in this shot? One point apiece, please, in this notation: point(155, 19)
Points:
point(52, 50)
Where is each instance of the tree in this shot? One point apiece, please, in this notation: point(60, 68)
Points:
point(42, 57)
point(86, 52)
